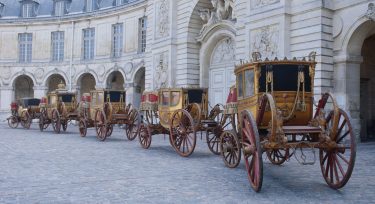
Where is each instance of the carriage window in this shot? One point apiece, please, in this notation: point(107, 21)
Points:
point(175, 97)
point(100, 99)
point(240, 84)
point(165, 98)
point(249, 83)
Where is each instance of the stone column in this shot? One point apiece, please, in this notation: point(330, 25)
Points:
point(133, 94)
point(347, 88)
point(40, 91)
point(6, 97)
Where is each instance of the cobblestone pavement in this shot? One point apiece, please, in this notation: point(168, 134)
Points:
point(43, 167)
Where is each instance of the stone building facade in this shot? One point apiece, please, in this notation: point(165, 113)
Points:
point(176, 43)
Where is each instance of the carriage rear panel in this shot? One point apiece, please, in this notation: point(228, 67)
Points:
point(290, 83)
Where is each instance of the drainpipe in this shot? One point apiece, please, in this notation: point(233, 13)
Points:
point(71, 57)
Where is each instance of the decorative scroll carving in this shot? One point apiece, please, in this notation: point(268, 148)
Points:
point(260, 3)
point(161, 71)
point(222, 10)
point(162, 25)
point(370, 14)
point(265, 41)
point(224, 52)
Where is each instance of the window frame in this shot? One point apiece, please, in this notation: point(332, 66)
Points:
point(25, 47)
point(59, 42)
point(89, 41)
point(117, 40)
point(142, 34)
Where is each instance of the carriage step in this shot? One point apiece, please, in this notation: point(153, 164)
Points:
point(301, 130)
point(209, 123)
point(120, 116)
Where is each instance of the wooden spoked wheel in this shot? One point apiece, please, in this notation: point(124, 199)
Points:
point(213, 139)
point(101, 125)
point(132, 128)
point(56, 122)
point(337, 163)
point(109, 130)
point(42, 120)
point(183, 133)
point(82, 125)
point(144, 135)
point(278, 156)
point(213, 133)
point(13, 122)
point(252, 150)
point(25, 119)
point(230, 148)
point(64, 125)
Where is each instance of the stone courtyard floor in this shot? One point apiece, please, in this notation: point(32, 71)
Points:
point(43, 167)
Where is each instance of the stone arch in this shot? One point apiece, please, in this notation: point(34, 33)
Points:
point(25, 73)
point(23, 87)
point(53, 80)
point(139, 80)
point(80, 74)
point(347, 71)
point(115, 80)
point(194, 27)
point(85, 83)
point(48, 76)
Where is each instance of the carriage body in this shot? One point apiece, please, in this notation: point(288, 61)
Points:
point(293, 98)
point(179, 113)
point(173, 99)
point(103, 108)
point(24, 110)
point(58, 108)
point(274, 105)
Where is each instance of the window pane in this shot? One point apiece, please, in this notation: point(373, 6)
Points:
point(88, 43)
point(239, 84)
point(165, 98)
point(175, 98)
point(249, 83)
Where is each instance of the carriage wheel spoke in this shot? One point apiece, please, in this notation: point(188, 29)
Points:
point(343, 158)
point(339, 165)
point(343, 136)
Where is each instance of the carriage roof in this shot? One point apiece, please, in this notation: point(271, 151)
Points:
point(29, 102)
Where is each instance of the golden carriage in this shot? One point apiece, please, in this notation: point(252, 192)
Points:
point(275, 106)
point(180, 113)
point(58, 109)
point(104, 108)
point(23, 111)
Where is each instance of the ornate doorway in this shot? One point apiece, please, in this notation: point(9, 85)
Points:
point(23, 87)
point(221, 76)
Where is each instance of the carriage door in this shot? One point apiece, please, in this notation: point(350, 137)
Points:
point(221, 75)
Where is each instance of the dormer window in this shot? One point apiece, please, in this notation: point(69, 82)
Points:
point(29, 8)
point(1, 9)
point(60, 7)
point(92, 5)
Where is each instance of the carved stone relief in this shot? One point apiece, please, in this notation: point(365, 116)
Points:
point(161, 71)
point(128, 69)
point(370, 14)
point(5, 73)
point(162, 19)
point(261, 3)
point(39, 73)
point(265, 41)
point(222, 10)
point(223, 52)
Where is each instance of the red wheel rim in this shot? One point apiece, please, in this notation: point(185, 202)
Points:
point(337, 163)
point(252, 152)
